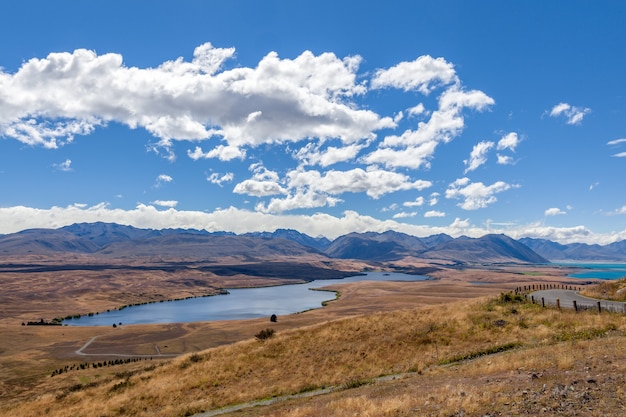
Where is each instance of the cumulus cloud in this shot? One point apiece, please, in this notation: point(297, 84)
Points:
point(478, 156)
point(554, 211)
point(50, 100)
point(404, 215)
point(312, 154)
point(423, 74)
point(231, 219)
point(415, 147)
point(505, 160)
point(263, 183)
point(573, 114)
point(475, 195)
point(434, 213)
point(417, 110)
point(311, 188)
point(221, 152)
point(64, 166)
point(509, 141)
point(418, 202)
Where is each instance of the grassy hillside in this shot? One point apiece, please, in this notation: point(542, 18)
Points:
point(497, 356)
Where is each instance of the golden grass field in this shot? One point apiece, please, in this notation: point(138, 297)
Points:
point(447, 346)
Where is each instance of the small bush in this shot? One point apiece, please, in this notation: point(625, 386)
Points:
point(265, 334)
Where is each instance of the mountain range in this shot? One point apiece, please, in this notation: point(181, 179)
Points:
point(120, 241)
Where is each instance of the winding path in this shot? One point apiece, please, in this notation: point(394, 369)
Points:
point(567, 298)
point(122, 355)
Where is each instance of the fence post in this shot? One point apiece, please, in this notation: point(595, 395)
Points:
point(575, 306)
point(543, 302)
point(532, 299)
point(558, 303)
point(599, 307)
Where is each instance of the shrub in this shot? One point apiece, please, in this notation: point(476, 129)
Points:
point(265, 334)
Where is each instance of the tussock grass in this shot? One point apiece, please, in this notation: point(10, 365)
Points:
point(608, 290)
point(346, 353)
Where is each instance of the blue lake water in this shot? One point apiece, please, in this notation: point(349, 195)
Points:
point(244, 303)
point(598, 270)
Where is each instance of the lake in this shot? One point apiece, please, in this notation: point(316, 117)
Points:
point(598, 270)
point(243, 303)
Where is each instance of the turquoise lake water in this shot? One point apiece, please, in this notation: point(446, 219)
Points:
point(609, 271)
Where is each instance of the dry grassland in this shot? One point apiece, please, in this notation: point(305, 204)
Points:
point(608, 290)
point(373, 329)
point(463, 358)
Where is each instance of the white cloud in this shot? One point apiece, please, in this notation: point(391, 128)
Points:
point(392, 207)
point(418, 202)
point(620, 155)
point(509, 141)
point(417, 110)
point(17, 218)
point(423, 74)
point(554, 211)
point(64, 166)
point(49, 100)
point(215, 178)
point(434, 199)
point(263, 183)
point(505, 160)
point(165, 203)
point(162, 179)
point(594, 185)
point(310, 188)
point(478, 156)
point(311, 154)
point(415, 148)
point(404, 215)
point(616, 142)
point(301, 199)
point(475, 195)
point(573, 114)
point(434, 213)
point(619, 211)
point(374, 182)
point(221, 152)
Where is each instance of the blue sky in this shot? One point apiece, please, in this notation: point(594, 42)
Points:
point(451, 117)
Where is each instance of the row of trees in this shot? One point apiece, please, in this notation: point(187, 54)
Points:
point(86, 365)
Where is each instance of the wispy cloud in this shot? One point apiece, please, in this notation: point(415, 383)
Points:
point(619, 211)
point(478, 156)
point(215, 178)
point(162, 179)
point(64, 166)
point(573, 114)
point(616, 142)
